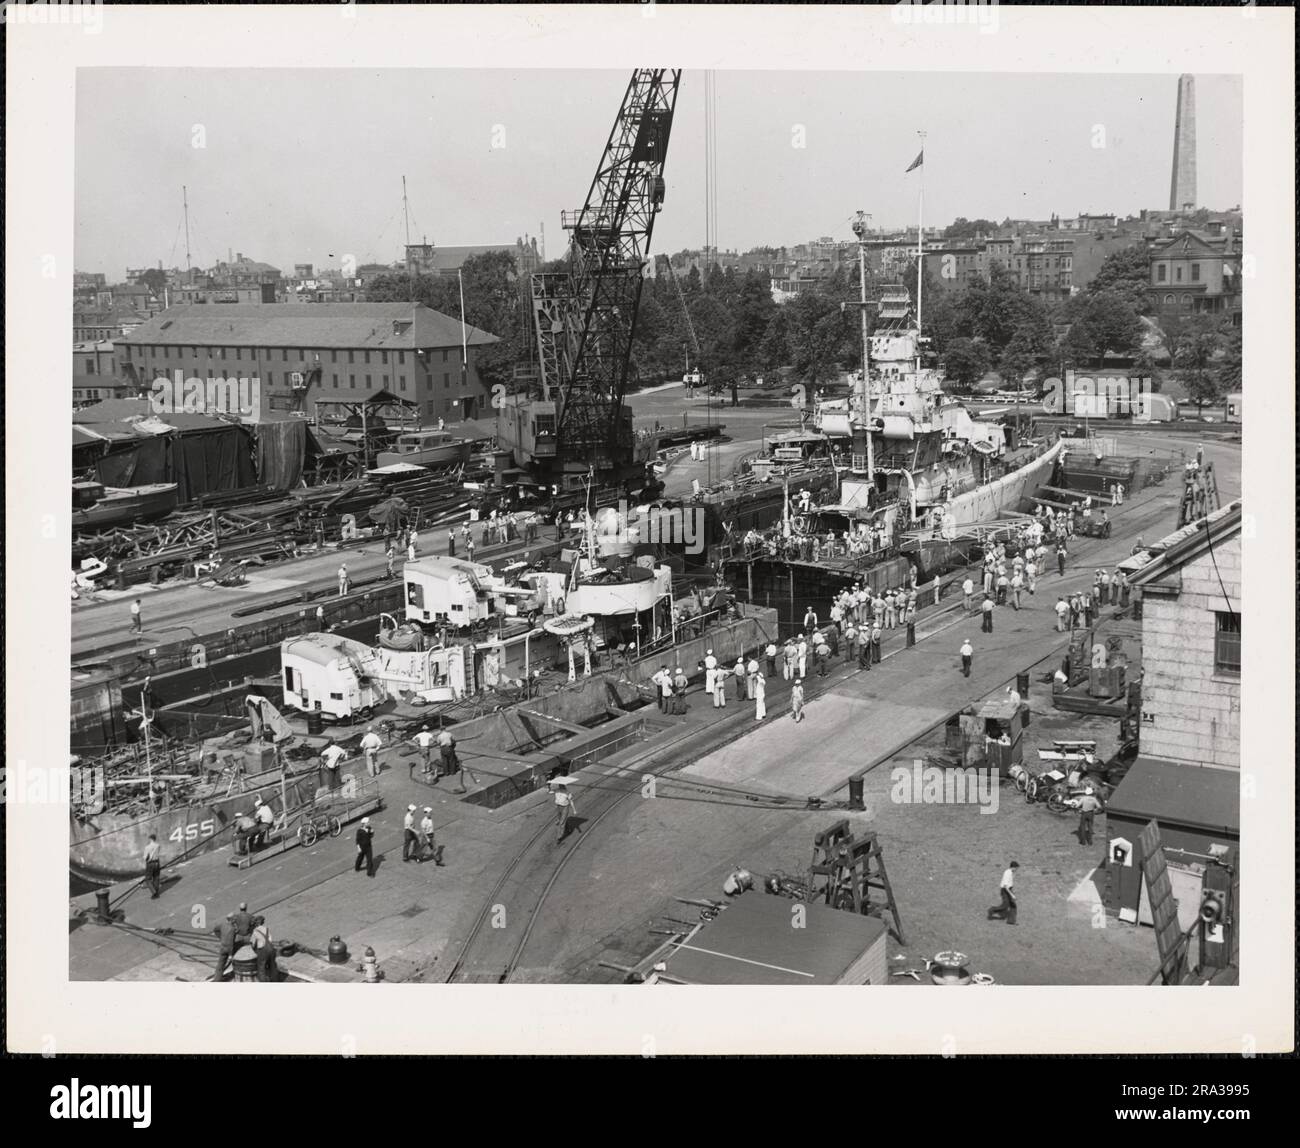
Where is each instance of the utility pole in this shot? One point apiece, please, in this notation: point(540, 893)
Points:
point(406, 220)
point(185, 203)
point(920, 250)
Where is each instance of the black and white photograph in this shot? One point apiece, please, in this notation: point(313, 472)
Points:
point(544, 520)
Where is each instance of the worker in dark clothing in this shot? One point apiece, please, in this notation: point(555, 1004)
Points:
point(986, 613)
point(153, 867)
point(227, 946)
point(243, 925)
point(365, 848)
point(1060, 559)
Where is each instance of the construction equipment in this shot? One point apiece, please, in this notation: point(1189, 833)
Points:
point(844, 870)
point(585, 315)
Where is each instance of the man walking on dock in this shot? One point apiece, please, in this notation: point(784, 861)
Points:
point(801, 657)
point(877, 634)
point(390, 561)
point(1060, 559)
point(365, 848)
point(967, 652)
point(136, 625)
point(343, 580)
point(796, 700)
point(371, 744)
point(1062, 608)
point(770, 654)
point(1006, 909)
point(986, 611)
point(153, 867)
point(967, 593)
point(760, 698)
point(564, 809)
point(410, 842)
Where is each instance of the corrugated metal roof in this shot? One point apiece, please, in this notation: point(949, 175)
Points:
point(350, 326)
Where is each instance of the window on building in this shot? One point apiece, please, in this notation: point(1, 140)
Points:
point(1161, 272)
point(367, 356)
point(270, 378)
point(367, 382)
point(334, 356)
point(446, 381)
point(1169, 299)
point(284, 354)
point(1178, 273)
point(352, 382)
point(401, 358)
point(1187, 300)
point(401, 383)
point(223, 353)
point(194, 352)
point(90, 366)
point(1196, 272)
point(336, 381)
point(1227, 643)
point(385, 380)
point(350, 357)
point(383, 358)
point(444, 354)
point(239, 353)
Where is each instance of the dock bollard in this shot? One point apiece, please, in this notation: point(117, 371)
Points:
point(855, 793)
point(911, 633)
point(103, 914)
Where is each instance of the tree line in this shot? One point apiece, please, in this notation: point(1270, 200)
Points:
point(981, 326)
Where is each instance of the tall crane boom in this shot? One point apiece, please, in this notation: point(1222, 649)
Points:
point(585, 316)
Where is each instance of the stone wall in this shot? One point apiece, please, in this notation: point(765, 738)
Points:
point(1196, 711)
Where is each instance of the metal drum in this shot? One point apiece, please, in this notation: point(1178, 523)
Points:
point(245, 964)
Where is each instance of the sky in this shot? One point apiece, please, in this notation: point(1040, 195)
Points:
point(306, 166)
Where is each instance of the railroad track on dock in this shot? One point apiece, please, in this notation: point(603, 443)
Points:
point(494, 947)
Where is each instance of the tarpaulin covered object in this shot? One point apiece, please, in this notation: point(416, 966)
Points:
point(199, 453)
point(281, 449)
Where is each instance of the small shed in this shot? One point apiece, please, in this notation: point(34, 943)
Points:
point(751, 943)
point(1198, 807)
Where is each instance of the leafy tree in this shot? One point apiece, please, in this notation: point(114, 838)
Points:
point(1229, 366)
point(1125, 273)
point(963, 228)
point(155, 279)
point(1197, 344)
point(1101, 324)
point(966, 361)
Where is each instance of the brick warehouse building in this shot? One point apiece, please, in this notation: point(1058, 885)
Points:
point(316, 351)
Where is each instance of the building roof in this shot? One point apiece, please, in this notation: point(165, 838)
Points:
point(1196, 797)
point(751, 943)
point(350, 326)
point(135, 418)
point(1174, 551)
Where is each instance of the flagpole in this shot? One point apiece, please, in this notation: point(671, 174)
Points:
point(920, 250)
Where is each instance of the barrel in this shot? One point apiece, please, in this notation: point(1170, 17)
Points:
point(1022, 684)
point(315, 723)
point(245, 964)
